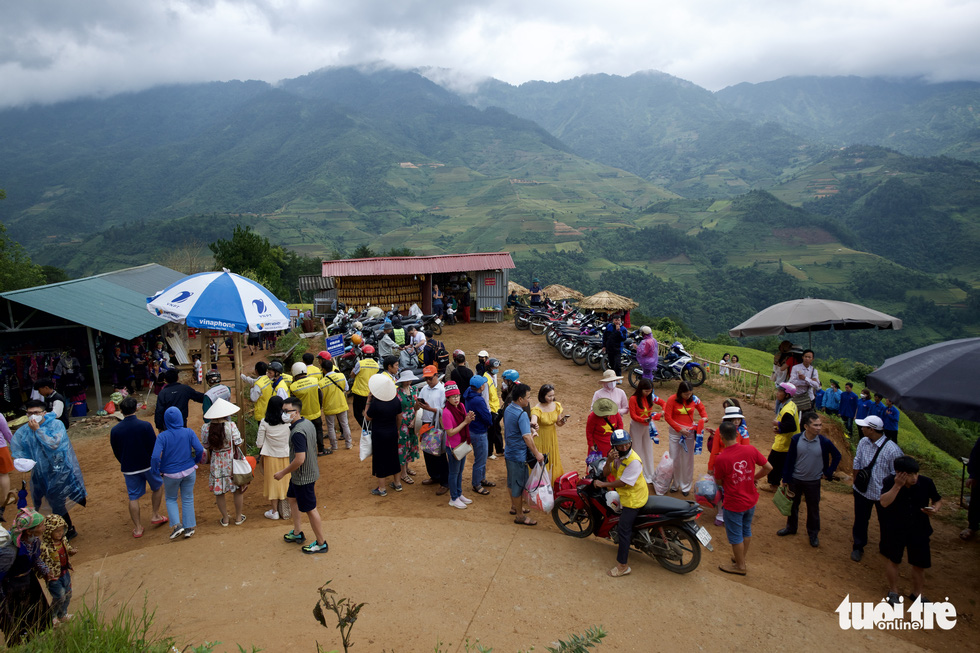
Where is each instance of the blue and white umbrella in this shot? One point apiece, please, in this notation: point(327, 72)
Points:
point(220, 300)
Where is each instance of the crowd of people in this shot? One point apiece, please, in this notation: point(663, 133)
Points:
point(451, 414)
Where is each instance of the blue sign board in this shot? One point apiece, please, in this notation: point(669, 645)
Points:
point(335, 345)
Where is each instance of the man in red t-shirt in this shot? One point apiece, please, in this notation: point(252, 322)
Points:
point(735, 471)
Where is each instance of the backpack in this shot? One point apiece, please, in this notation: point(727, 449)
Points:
point(442, 356)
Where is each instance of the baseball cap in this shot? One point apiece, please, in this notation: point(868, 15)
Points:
point(873, 421)
point(429, 370)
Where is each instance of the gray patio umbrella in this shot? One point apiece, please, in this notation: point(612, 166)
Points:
point(811, 315)
point(937, 379)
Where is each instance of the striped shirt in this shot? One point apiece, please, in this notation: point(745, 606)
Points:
point(884, 466)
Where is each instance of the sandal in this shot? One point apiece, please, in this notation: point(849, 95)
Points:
point(408, 479)
point(615, 572)
point(157, 522)
point(524, 522)
point(412, 472)
point(223, 523)
point(732, 569)
point(514, 512)
point(488, 483)
point(481, 490)
point(137, 535)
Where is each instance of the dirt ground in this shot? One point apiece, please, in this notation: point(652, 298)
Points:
point(430, 573)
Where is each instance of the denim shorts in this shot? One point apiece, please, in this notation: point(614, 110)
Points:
point(136, 483)
point(738, 525)
point(517, 474)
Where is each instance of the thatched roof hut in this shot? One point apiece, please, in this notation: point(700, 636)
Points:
point(608, 302)
point(559, 292)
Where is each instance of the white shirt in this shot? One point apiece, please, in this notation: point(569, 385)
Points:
point(810, 380)
point(436, 398)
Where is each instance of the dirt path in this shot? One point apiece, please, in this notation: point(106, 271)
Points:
point(429, 572)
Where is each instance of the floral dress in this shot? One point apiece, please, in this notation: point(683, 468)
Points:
point(219, 480)
point(408, 442)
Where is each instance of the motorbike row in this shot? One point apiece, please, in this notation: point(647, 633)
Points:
point(368, 325)
point(577, 335)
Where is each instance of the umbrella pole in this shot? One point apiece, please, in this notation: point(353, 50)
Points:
point(205, 335)
point(237, 369)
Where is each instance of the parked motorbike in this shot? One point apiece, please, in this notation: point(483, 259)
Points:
point(677, 364)
point(666, 528)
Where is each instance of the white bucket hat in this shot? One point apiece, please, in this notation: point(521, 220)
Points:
point(382, 387)
point(733, 412)
point(609, 375)
point(406, 375)
point(221, 408)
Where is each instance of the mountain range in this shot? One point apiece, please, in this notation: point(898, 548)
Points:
point(822, 182)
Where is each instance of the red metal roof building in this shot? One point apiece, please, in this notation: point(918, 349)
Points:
point(407, 280)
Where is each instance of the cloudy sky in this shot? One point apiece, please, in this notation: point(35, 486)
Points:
point(53, 50)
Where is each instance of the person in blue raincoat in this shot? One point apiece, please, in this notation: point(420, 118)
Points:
point(56, 476)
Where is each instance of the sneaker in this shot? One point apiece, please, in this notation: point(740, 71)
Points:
point(892, 598)
point(493, 456)
point(349, 445)
point(188, 533)
point(292, 536)
point(240, 520)
point(458, 504)
point(465, 500)
point(271, 514)
point(316, 547)
point(176, 532)
point(719, 522)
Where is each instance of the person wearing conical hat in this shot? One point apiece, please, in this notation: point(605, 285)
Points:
point(221, 438)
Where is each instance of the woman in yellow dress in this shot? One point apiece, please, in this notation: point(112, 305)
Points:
point(545, 418)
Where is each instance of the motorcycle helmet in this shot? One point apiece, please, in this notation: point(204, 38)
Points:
point(677, 344)
point(492, 364)
point(298, 368)
point(358, 326)
point(619, 436)
point(612, 500)
point(213, 377)
point(325, 355)
point(276, 367)
point(356, 339)
point(511, 375)
point(368, 350)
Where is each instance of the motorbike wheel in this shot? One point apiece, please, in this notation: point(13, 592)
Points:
point(685, 550)
point(595, 359)
point(537, 327)
point(521, 322)
point(693, 375)
point(634, 373)
point(566, 348)
point(580, 354)
point(571, 520)
point(436, 329)
point(551, 336)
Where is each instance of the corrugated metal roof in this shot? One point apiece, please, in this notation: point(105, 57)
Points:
point(309, 282)
point(390, 266)
point(114, 302)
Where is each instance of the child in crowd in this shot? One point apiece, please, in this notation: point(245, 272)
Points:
point(55, 551)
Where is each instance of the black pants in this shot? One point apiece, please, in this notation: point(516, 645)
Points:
point(614, 358)
point(776, 459)
point(495, 438)
point(862, 516)
point(809, 490)
point(625, 531)
point(358, 407)
point(318, 427)
point(849, 424)
point(892, 435)
point(437, 467)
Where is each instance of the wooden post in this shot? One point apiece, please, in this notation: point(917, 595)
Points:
point(205, 340)
point(755, 393)
point(239, 390)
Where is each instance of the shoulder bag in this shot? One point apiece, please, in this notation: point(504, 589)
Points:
point(863, 477)
point(241, 469)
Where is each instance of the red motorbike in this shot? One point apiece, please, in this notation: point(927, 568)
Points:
point(666, 528)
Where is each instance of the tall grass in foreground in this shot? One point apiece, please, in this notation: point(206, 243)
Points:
point(91, 630)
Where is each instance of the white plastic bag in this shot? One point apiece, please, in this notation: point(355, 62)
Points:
point(538, 492)
point(663, 475)
point(415, 311)
point(366, 448)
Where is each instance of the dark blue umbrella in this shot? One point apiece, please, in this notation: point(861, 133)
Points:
point(938, 379)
